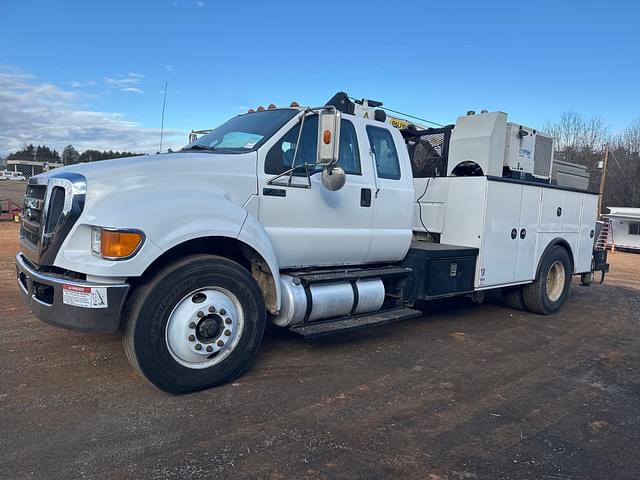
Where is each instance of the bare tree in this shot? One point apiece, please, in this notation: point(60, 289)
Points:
point(580, 139)
point(594, 133)
point(575, 132)
point(629, 138)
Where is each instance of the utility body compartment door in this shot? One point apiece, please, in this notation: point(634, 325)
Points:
point(528, 233)
point(560, 211)
point(586, 238)
point(501, 230)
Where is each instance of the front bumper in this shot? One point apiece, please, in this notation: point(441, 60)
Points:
point(70, 303)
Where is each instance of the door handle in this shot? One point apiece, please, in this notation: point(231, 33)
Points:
point(365, 197)
point(514, 234)
point(523, 233)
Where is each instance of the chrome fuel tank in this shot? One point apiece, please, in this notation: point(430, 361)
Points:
point(322, 301)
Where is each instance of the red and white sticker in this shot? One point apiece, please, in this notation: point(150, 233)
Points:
point(85, 297)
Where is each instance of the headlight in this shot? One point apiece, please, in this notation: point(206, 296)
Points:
point(114, 244)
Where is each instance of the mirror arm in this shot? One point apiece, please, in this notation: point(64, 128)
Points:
point(295, 152)
point(289, 173)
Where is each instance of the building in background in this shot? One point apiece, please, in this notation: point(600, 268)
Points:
point(625, 227)
point(29, 168)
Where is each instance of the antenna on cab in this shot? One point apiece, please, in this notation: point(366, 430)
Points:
point(164, 101)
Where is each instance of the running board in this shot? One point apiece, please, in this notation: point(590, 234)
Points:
point(345, 324)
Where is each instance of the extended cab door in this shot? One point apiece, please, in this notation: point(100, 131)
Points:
point(393, 199)
point(315, 226)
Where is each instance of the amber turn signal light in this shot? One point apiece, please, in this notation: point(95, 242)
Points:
point(115, 244)
point(326, 137)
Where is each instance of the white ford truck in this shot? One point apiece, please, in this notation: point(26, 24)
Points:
point(319, 220)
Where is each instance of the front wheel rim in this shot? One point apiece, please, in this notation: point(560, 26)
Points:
point(204, 327)
point(556, 279)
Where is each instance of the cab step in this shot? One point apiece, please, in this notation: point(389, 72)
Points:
point(345, 324)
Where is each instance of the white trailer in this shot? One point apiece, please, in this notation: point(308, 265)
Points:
point(320, 220)
point(625, 228)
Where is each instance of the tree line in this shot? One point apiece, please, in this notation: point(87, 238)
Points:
point(70, 155)
point(582, 140)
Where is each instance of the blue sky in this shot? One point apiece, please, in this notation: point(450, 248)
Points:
point(92, 72)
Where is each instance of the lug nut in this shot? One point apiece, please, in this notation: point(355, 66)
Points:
point(200, 314)
point(227, 332)
point(220, 343)
point(192, 325)
point(209, 348)
point(227, 321)
point(192, 338)
point(198, 346)
point(212, 309)
point(223, 311)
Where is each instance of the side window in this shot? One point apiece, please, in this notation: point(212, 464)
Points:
point(384, 150)
point(349, 158)
point(280, 157)
point(634, 228)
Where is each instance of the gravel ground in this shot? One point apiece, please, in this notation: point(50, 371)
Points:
point(466, 392)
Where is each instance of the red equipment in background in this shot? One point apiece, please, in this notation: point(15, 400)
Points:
point(9, 210)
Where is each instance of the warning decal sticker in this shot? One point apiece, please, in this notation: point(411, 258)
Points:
point(86, 297)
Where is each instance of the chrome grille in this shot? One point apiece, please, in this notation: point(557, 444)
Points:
point(33, 212)
point(51, 207)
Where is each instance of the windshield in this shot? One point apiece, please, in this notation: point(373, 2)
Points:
point(244, 132)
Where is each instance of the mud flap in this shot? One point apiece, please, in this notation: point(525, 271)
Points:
point(600, 263)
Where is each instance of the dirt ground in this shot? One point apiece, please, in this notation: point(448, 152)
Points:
point(466, 392)
point(13, 190)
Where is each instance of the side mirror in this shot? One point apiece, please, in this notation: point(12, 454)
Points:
point(333, 178)
point(328, 137)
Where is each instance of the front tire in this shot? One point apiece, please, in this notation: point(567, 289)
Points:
point(550, 289)
point(197, 324)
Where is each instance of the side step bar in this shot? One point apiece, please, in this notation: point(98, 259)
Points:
point(330, 327)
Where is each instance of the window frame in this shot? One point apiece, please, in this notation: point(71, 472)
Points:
point(356, 145)
point(239, 151)
point(634, 226)
point(278, 145)
point(369, 129)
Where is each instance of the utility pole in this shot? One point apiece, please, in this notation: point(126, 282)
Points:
point(602, 178)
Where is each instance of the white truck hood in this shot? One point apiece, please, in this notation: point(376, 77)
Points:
point(235, 174)
point(197, 163)
point(172, 198)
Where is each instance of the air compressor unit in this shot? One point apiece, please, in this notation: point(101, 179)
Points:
point(486, 144)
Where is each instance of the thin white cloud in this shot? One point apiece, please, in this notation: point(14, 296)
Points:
point(169, 68)
point(42, 113)
point(200, 3)
point(82, 84)
point(131, 89)
point(125, 83)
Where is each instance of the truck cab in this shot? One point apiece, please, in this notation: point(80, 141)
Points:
point(369, 218)
point(317, 219)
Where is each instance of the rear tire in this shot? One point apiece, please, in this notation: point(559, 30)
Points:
point(550, 289)
point(197, 324)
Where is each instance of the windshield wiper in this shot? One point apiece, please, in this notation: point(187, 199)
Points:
point(197, 146)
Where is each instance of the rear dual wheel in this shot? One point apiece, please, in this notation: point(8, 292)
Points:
point(550, 289)
point(197, 324)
